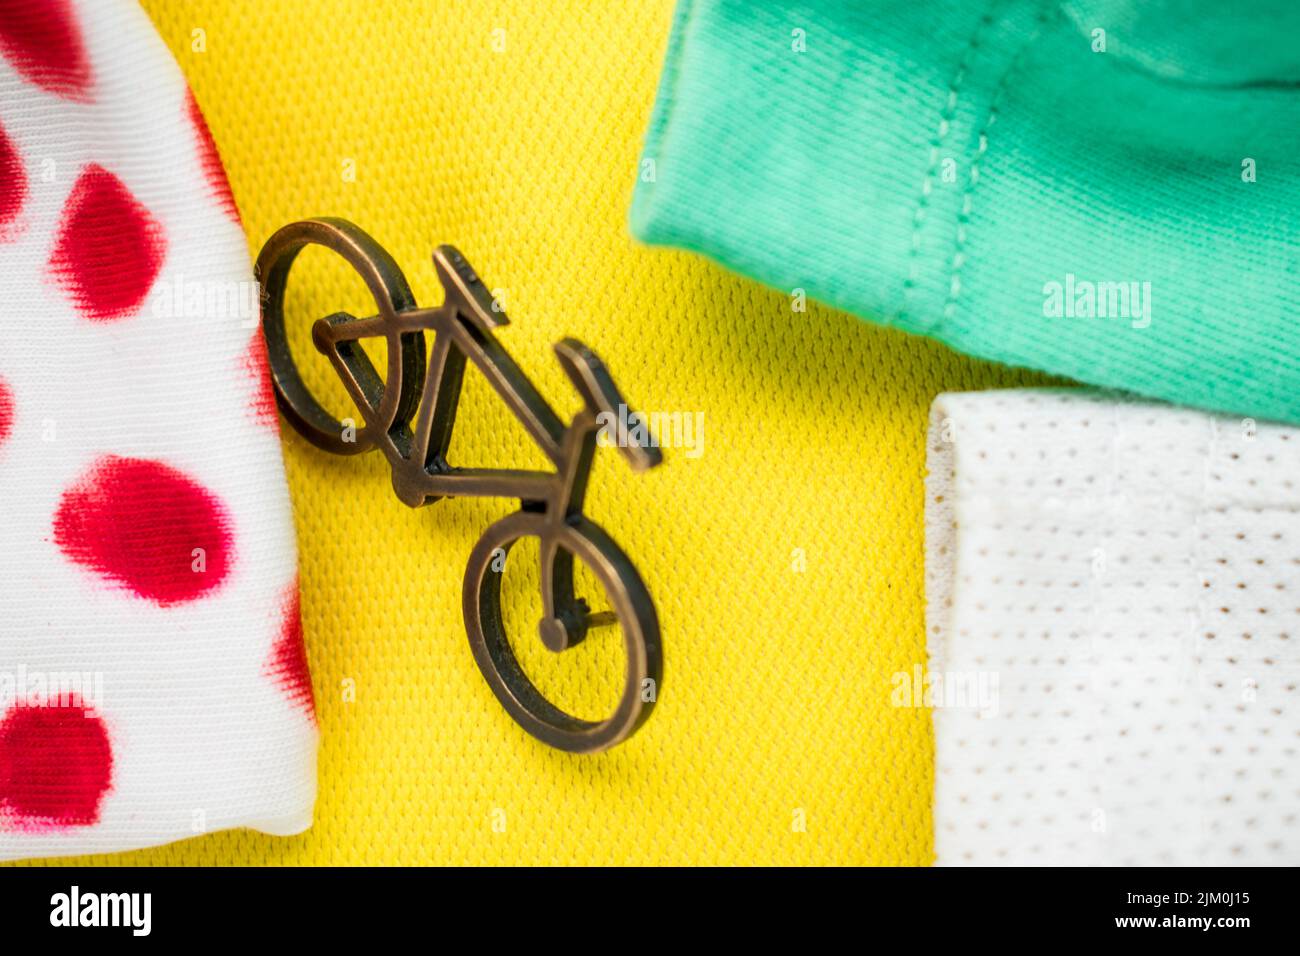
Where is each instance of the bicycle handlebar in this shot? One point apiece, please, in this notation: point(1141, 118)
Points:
point(597, 388)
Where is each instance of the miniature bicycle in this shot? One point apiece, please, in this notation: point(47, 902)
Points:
point(409, 415)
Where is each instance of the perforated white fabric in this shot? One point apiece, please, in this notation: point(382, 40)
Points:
point(1117, 587)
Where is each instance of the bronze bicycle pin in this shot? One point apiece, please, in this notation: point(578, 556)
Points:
point(409, 415)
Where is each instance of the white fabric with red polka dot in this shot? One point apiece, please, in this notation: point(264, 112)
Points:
point(153, 681)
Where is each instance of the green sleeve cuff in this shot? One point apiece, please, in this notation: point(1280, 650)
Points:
point(985, 174)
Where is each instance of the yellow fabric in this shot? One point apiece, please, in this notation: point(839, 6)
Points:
point(776, 700)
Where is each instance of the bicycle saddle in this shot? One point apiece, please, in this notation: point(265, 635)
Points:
point(463, 287)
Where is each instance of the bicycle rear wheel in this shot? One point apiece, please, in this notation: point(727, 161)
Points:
point(625, 591)
point(387, 399)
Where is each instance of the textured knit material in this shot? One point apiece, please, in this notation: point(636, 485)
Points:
point(995, 174)
point(152, 681)
point(1114, 632)
point(773, 740)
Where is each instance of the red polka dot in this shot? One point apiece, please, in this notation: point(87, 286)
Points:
point(40, 38)
point(287, 665)
point(148, 528)
point(109, 248)
point(263, 404)
point(56, 765)
point(13, 184)
point(210, 159)
point(6, 411)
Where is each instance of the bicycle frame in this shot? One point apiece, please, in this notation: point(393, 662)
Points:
point(417, 453)
point(462, 328)
point(409, 415)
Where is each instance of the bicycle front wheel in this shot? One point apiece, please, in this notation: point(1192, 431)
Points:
point(630, 604)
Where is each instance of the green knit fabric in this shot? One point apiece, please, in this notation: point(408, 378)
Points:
point(971, 171)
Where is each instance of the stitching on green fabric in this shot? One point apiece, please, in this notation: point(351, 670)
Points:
point(946, 116)
point(972, 179)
